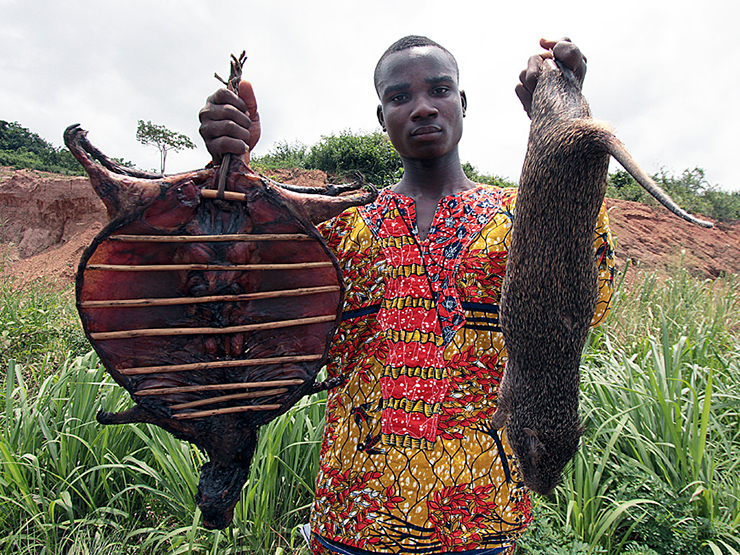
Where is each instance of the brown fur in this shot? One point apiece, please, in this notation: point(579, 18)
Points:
point(550, 289)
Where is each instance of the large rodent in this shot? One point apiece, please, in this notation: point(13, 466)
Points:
point(550, 288)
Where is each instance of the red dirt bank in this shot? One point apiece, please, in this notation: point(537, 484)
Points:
point(47, 220)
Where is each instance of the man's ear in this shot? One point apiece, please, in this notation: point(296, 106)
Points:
point(381, 117)
point(464, 100)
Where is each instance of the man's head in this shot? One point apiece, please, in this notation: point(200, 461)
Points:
point(411, 41)
point(421, 106)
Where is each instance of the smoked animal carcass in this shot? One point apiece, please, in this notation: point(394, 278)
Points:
point(213, 308)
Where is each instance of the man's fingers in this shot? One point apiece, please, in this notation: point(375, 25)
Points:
point(529, 76)
point(525, 97)
point(567, 53)
point(230, 124)
point(225, 128)
point(224, 112)
point(246, 94)
point(548, 44)
point(225, 96)
point(226, 145)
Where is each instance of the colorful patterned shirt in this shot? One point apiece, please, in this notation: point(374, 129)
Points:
point(409, 462)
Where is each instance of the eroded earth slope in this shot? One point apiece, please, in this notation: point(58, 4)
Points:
point(47, 220)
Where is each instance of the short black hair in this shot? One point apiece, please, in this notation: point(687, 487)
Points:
point(411, 41)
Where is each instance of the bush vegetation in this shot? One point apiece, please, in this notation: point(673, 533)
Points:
point(690, 190)
point(372, 155)
point(21, 148)
point(341, 156)
point(658, 472)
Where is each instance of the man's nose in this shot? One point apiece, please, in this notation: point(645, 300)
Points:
point(424, 109)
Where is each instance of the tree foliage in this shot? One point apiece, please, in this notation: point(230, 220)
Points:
point(474, 175)
point(284, 155)
point(370, 154)
point(690, 190)
point(21, 148)
point(150, 134)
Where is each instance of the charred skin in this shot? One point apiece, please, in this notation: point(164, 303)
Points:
point(175, 312)
point(549, 291)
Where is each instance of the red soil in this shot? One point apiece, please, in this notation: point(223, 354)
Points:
point(47, 220)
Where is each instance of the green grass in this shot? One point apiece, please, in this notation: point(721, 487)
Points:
point(38, 321)
point(658, 471)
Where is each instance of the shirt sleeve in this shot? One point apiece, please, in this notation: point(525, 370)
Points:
point(335, 229)
point(604, 258)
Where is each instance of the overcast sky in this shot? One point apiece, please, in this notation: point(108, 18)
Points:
point(664, 74)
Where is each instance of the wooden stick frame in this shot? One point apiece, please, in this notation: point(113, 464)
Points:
point(206, 267)
point(170, 301)
point(226, 398)
point(235, 237)
point(228, 410)
point(164, 332)
point(217, 387)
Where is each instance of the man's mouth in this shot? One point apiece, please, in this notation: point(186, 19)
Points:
point(426, 130)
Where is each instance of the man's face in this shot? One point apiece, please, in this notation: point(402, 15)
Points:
point(421, 106)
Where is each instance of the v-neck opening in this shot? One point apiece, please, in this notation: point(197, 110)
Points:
point(412, 220)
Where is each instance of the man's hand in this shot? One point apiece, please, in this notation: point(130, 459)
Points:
point(230, 123)
point(562, 50)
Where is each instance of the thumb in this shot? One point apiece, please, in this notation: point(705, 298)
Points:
point(246, 93)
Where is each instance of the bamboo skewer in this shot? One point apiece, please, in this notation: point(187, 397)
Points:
point(217, 364)
point(224, 398)
point(206, 267)
point(228, 410)
point(217, 387)
point(158, 332)
point(210, 238)
point(209, 299)
point(227, 195)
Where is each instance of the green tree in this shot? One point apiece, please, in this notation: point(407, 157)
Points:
point(21, 148)
point(371, 154)
point(690, 190)
point(474, 175)
point(148, 133)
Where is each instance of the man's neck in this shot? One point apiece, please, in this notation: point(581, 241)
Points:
point(427, 181)
point(433, 179)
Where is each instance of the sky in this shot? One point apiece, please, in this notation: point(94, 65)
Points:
point(663, 74)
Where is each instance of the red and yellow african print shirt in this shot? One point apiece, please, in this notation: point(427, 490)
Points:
point(409, 463)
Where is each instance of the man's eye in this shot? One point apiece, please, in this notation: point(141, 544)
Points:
point(441, 90)
point(398, 97)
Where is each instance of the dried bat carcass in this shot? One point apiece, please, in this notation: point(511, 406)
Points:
point(214, 309)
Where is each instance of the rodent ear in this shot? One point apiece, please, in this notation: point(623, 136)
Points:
point(498, 419)
point(535, 448)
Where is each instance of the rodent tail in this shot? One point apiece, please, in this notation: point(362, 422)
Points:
point(618, 150)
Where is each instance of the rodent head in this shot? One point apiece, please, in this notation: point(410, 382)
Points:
point(543, 452)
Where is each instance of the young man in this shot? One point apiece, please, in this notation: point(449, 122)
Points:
point(409, 463)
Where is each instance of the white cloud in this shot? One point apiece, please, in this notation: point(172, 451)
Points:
point(666, 78)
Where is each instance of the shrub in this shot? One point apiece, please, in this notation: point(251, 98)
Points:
point(690, 190)
point(284, 155)
point(370, 154)
point(477, 177)
point(21, 148)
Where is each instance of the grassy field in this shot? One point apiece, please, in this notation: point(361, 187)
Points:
point(658, 471)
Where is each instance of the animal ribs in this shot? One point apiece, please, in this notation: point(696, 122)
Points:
point(215, 314)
